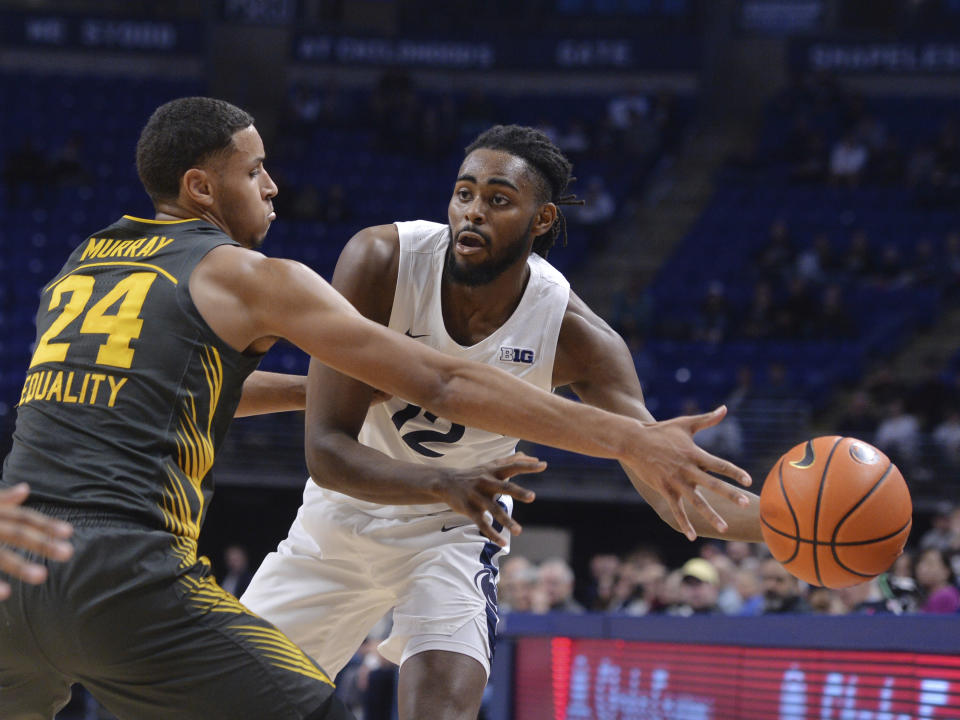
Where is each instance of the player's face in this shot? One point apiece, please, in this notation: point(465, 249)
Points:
point(244, 191)
point(491, 215)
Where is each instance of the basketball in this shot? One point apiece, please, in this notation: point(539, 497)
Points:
point(835, 511)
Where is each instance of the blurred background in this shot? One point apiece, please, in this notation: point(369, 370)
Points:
point(772, 221)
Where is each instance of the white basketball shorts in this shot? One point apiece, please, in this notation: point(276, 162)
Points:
point(340, 570)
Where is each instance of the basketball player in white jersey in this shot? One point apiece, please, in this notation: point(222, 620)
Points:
point(382, 523)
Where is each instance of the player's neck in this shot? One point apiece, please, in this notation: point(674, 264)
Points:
point(167, 211)
point(473, 312)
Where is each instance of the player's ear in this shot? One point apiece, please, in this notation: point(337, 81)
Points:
point(196, 185)
point(544, 220)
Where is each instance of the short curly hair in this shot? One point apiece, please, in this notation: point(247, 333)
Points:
point(182, 134)
point(548, 162)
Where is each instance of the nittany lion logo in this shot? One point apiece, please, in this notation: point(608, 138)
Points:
point(486, 584)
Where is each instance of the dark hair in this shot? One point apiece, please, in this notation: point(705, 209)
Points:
point(182, 134)
point(549, 163)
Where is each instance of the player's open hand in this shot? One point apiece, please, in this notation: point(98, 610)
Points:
point(474, 492)
point(671, 463)
point(28, 530)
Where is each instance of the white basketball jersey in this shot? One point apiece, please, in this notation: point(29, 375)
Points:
point(525, 345)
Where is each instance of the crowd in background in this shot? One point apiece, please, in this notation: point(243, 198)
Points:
point(735, 578)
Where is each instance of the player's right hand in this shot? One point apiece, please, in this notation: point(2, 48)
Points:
point(474, 492)
point(29, 530)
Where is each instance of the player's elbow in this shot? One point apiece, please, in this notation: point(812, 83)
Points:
point(324, 455)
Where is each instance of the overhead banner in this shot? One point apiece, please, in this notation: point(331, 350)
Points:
point(891, 57)
point(662, 53)
point(88, 33)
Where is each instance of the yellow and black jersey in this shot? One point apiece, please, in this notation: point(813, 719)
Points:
point(129, 393)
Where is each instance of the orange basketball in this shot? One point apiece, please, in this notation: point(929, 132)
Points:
point(835, 511)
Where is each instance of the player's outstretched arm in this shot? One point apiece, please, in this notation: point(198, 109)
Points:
point(250, 300)
point(27, 529)
point(596, 363)
point(270, 392)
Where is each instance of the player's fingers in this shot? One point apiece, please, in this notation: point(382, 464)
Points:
point(520, 467)
point(14, 495)
point(722, 487)
point(675, 503)
point(36, 522)
point(707, 511)
point(517, 492)
point(699, 422)
point(486, 529)
point(501, 516)
point(15, 565)
point(714, 464)
point(4, 591)
point(35, 534)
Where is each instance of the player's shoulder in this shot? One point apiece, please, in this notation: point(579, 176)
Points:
point(583, 329)
point(374, 250)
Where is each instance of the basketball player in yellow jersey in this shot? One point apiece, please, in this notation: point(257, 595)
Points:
point(144, 341)
point(384, 529)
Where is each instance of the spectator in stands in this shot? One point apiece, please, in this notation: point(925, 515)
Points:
point(926, 269)
point(25, 167)
point(833, 321)
point(713, 324)
point(741, 553)
point(760, 320)
point(898, 434)
point(335, 208)
point(555, 579)
point(848, 158)
point(859, 419)
point(781, 590)
point(238, 573)
point(596, 213)
point(638, 588)
point(518, 578)
point(937, 582)
point(795, 313)
point(574, 140)
point(749, 589)
point(67, 167)
point(859, 262)
point(816, 262)
point(824, 601)
point(699, 587)
point(743, 390)
point(725, 441)
point(604, 571)
point(729, 601)
point(928, 396)
point(633, 309)
point(940, 534)
point(952, 264)
point(884, 385)
point(622, 108)
point(306, 203)
point(891, 271)
point(812, 168)
point(776, 259)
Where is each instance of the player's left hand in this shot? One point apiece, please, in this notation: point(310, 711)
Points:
point(29, 530)
point(474, 492)
point(669, 461)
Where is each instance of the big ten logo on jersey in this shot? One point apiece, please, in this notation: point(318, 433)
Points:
point(516, 355)
point(413, 416)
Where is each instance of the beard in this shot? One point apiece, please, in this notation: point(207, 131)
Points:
point(488, 271)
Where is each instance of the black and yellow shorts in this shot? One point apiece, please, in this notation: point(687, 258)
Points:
point(144, 627)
